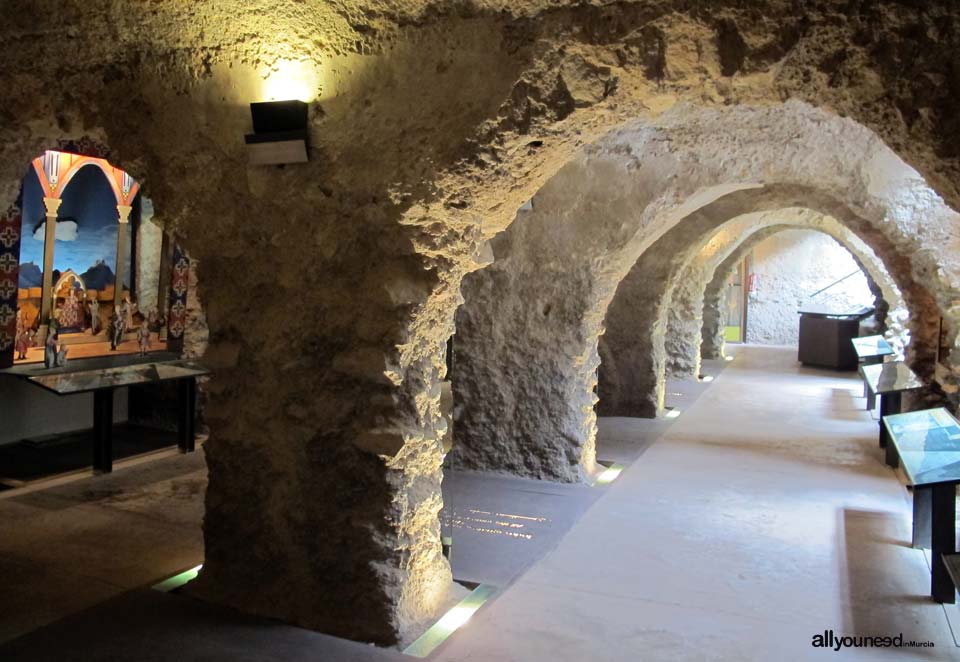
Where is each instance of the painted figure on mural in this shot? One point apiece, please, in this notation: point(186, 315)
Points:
point(127, 310)
point(143, 339)
point(62, 355)
point(117, 327)
point(71, 315)
point(94, 316)
point(24, 337)
point(50, 347)
point(155, 321)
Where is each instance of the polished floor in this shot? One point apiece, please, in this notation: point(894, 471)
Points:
point(760, 517)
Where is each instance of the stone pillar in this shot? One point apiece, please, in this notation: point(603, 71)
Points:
point(684, 323)
point(124, 214)
point(634, 338)
point(50, 235)
point(712, 340)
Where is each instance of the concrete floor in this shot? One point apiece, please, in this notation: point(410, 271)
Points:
point(763, 516)
point(760, 517)
point(71, 546)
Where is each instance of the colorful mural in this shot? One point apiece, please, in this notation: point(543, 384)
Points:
point(86, 233)
point(80, 298)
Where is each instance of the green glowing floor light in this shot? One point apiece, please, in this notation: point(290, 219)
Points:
point(177, 581)
point(450, 622)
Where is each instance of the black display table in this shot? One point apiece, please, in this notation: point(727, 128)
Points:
point(928, 444)
point(102, 376)
point(889, 381)
point(825, 336)
point(870, 350)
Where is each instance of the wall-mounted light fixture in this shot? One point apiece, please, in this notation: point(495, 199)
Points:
point(279, 132)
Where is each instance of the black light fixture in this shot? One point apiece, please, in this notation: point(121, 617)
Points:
point(279, 133)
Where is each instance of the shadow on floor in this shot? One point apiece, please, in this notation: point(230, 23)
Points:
point(878, 602)
point(149, 626)
point(32, 459)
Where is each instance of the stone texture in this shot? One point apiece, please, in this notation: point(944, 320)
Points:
point(787, 268)
point(432, 124)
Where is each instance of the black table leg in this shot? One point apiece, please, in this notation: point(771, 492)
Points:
point(891, 456)
point(103, 431)
point(889, 405)
point(943, 540)
point(187, 410)
point(922, 503)
point(870, 396)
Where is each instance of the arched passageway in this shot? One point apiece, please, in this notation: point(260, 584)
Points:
point(429, 127)
point(653, 324)
point(650, 196)
point(891, 313)
point(886, 295)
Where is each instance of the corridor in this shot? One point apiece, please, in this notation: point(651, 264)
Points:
point(764, 515)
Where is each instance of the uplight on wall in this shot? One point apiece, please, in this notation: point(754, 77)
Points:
point(280, 116)
point(291, 79)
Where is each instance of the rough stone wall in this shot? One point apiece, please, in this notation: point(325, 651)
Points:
point(787, 268)
point(432, 123)
point(534, 365)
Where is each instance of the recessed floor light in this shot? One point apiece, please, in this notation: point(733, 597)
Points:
point(727, 358)
point(177, 581)
point(672, 413)
point(706, 378)
point(609, 475)
point(437, 633)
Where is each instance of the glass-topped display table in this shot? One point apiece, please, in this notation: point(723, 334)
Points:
point(927, 443)
point(102, 376)
point(889, 381)
point(870, 350)
point(825, 335)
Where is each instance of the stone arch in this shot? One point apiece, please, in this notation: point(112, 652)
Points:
point(683, 360)
point(892, 310)
point(655, 316)
point(659, 187)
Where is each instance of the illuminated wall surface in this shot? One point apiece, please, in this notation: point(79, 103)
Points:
point(86, 231)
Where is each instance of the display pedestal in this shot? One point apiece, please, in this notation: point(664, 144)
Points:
point(826, 335)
